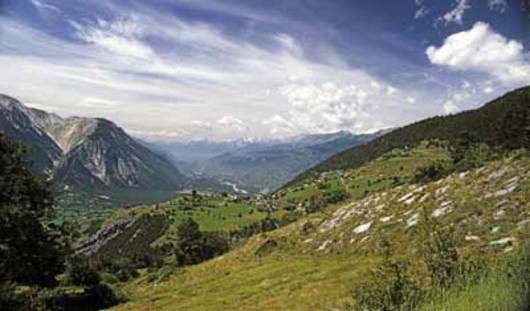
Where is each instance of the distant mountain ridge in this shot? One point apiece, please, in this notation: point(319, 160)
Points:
point(262, 168)
point(85, 153)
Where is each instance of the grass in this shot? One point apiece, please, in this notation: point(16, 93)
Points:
point(506, 288)
point(278, 281)
point(393, 168)
point(317, 268)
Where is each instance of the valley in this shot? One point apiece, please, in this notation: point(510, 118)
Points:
point(207, 155)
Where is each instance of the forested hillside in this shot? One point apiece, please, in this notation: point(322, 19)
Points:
point(502, 123)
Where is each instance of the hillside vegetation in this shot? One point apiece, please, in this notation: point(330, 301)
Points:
point(502, 123)
point(477, 219)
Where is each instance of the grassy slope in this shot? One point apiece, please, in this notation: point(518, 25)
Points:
point(315, 269)
point(397, 165)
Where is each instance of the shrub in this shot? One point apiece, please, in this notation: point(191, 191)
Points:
point(431, 172)
point(390, 286)
point(194, 246)
point(439, 253)
point(79, 273)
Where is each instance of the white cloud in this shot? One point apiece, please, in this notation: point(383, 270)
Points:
point(421, 10)
point(481, 49)
point(120, 37)
point(197, 81)
point(498, 5)
point(42, 6)
point(456, 15)
point(450, 107)
point(488, 90)
point(233, 123)
point(158, 135)
point(98, 103)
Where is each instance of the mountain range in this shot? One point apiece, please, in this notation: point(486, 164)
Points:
point(86, 154)
point(94, 155)
point(257, 166)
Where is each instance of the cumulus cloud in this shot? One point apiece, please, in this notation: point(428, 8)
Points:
point(456, 15)
point(481, 49)
point(450, 107)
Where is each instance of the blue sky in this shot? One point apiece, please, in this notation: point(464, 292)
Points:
point(194, 69)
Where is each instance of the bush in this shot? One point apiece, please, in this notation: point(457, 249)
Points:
point(9, 301)
point(439, 253)
point(79, 273)
point(194, 246)
point(390, 286)
point(432, 172)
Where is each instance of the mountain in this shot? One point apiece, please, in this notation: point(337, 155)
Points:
point(84, 154)
point(262, 168)
point(353, 236)
point(504, 122)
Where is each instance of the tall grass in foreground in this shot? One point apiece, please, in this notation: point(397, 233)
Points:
point(505, 288)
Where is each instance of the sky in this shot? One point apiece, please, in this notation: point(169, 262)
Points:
point(178, 70)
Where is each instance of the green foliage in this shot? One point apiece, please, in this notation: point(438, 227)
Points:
point(468, 155)
point(506, 286)
point(9, 301)
point(79, 273)
point(439, 253)
point(193, 246)
point(432, 172)
point(390, 287)
point(30, 253)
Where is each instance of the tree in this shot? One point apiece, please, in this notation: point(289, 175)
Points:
point(30, 253)
point(189, 242)
point(194, 246)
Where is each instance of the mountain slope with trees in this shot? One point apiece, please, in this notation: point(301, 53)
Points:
point(502, 123)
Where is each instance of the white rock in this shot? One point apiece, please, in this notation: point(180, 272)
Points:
point(495, 230)
point(424, 197)
point(379, 207)
point(364, 239)
point(499, 214)
point(362, 228)
point(523, 223)
point(324, 245)
point(502, 241)
point(441, 211)
point(472, 238)
point(385, 219)
point(410, 201)
point(497, 174)
point(413, 220)
point(308, 241)
point(406, 197)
